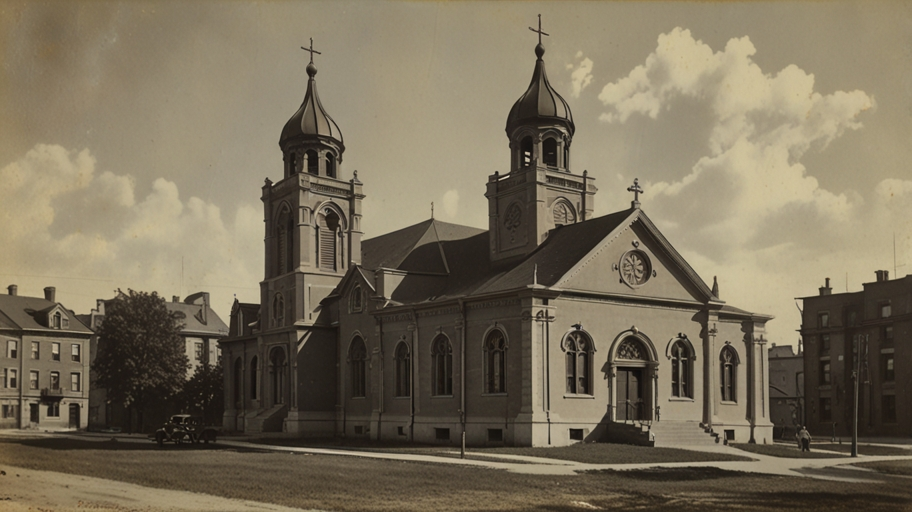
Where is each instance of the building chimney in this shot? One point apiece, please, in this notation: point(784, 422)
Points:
point(13, 290)
point(882, 275)
point(50, 294)
point(825, 289)
point(175, 298)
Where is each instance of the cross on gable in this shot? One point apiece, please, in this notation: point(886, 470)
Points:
point(637, 190)
point(539, 31)
point(311, 50)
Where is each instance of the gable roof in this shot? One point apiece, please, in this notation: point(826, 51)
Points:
point(23, 313)
point(445, 261)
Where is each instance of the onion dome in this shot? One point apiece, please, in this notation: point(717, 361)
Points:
point(310, 121)
point(540, 104)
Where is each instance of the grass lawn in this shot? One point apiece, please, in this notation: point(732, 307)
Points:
point(350, 483)
point(590, 453)
point(791, 451)
point(784, 450)
point(890, 467)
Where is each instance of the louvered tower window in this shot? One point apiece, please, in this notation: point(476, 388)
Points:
point(327, 235)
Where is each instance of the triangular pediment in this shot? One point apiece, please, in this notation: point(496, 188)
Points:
point(635, 259)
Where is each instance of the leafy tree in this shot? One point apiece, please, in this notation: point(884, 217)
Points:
point(203, 394)
point(141, 359)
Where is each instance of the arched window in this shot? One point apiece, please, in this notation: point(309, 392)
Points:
point(278, 310)
point(57, 318)
point(357, 355)
point(313, 164)
point(290, 161)
point(728, 366)
point(566, 156)
point(578, 348)
point(254, 379)
point(238, 382)
point(284, 241)
point(681, 370)
point(327, 232)
point(277, 369)
point(442, 357)
point(549, 150)
point(403, 370)
point(495, 369)
point(525, 151)
point(331, 165)
point(355, 304)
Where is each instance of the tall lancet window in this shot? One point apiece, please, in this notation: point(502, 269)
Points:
point(327, 235)
point(728, 366)
point(495, 366)
point(284, 241)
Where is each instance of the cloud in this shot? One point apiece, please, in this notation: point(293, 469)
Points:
point(60, 217)
point(451, 203)
point(580, 77)
point(744, 205)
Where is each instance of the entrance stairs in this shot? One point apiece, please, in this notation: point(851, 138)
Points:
point(666, 434)
point(268, 420)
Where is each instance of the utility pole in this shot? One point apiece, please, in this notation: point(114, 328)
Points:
point(861, 348)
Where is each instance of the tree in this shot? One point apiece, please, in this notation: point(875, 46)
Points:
point(141, 358)
point(203, 394)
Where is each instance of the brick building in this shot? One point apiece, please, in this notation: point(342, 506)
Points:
point(872, 330)
point(45, 363)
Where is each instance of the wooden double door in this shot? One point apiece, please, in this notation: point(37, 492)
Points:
point(630, 393)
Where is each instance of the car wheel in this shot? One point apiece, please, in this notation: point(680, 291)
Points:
point(160, 438)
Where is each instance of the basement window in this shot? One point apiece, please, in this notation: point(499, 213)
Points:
point(495, 435)
point(576, 434)
point(442, 434)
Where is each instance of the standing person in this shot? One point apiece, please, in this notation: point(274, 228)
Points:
point(805, 438)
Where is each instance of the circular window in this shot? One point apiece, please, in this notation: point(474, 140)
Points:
point(635, 268)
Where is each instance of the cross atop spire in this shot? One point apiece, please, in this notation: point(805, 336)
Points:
point(539, 31)
point(637, 190)
point(311, 50)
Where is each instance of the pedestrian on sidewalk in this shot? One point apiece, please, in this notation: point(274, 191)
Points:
point(804, 437)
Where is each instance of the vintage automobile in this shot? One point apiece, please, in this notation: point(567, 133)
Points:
point(185, 428)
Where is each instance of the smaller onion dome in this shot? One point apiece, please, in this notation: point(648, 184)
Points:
point(540, 103)
point(311, 120)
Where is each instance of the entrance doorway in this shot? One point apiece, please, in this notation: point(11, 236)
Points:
point(277, 370)
point(33, 413)
point(74, 415)
point(629, 394)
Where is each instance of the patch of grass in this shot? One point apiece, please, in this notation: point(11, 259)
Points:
point(863, 449)
point(783, 450)
point(889, 467)
point(604, 453)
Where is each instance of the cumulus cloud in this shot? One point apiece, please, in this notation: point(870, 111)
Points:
point(762, 125)
point(62, 217)
point(747, 207)
point(581, 74)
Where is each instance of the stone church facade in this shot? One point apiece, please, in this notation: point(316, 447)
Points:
point(549, 328)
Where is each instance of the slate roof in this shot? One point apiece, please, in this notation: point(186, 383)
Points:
point(193, 319)
point(19, 312)
point(447, 261)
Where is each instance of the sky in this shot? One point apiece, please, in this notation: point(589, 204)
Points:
point(773, 140)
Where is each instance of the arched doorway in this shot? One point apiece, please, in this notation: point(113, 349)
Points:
point(633, 364)
point(277, 375)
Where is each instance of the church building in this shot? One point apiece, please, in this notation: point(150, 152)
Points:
point(550, 327)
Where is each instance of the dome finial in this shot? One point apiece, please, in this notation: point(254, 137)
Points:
point(539, 49)
point(311, 69)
